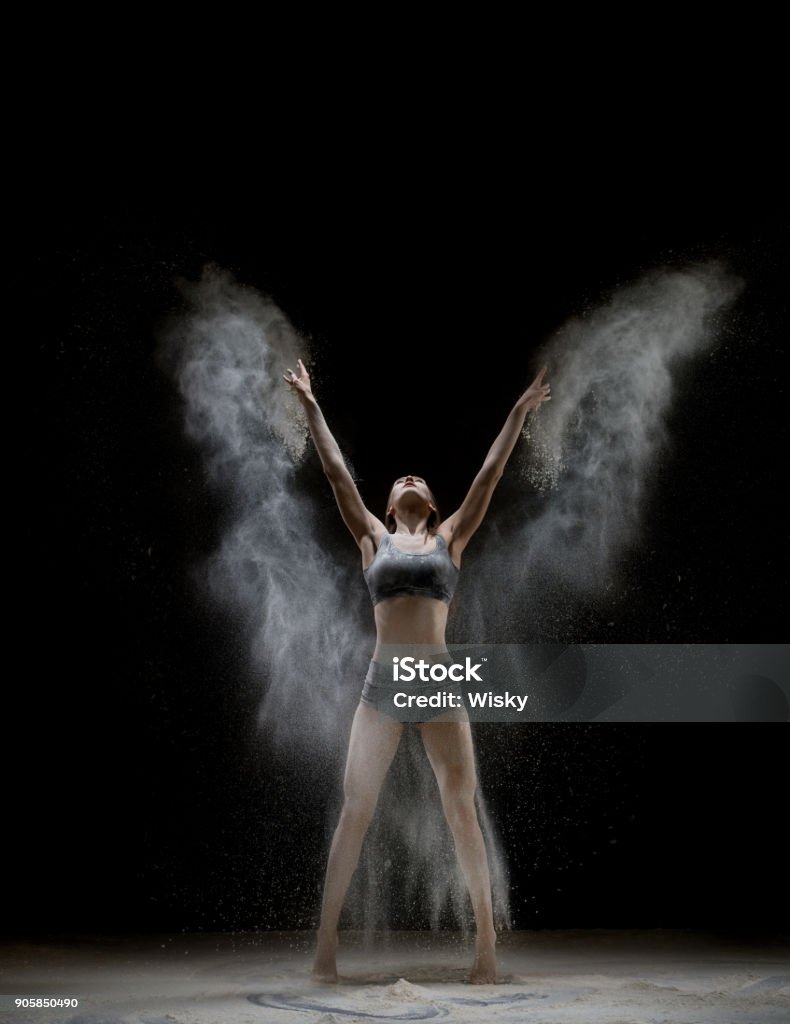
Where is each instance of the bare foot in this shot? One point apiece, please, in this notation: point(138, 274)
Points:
point(324, 970)
point(484, 967)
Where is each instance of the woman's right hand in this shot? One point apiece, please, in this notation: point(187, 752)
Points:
point(299, 382)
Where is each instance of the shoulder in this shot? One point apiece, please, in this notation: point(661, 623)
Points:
point(454, 549)
point(446, 531)
point(370, 543)
point(375, 531)
point(377, 528)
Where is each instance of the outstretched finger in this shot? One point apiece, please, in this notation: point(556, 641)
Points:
point(539, 379)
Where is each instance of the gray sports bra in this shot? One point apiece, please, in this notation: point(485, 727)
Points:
point(393, 572)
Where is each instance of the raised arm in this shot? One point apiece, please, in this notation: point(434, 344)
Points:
point(361, 522)
point(461, 525)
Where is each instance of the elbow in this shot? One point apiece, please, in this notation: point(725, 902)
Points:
point(492, 472)
point(332, 471)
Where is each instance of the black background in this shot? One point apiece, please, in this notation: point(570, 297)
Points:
point(136, 798)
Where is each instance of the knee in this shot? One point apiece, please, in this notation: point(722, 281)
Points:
point(461, 814)
point(458, 799)
point(357, 812)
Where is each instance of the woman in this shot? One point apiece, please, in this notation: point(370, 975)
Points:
point(411, 562)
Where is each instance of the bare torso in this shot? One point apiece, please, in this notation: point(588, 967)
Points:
point(408, 619)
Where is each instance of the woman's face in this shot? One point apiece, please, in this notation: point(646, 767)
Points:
point(410, 484)
point(409, 481)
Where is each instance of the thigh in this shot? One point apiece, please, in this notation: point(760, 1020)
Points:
point(451, 753)
point(371, 748)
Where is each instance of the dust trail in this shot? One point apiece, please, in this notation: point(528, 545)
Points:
point(228, 352)
point(593, 450)
point(408, 857)
point(614, 380)
point(309, 642)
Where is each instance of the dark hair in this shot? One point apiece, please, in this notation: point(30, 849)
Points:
point(433, 519)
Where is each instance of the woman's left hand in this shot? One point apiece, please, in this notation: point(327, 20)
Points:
point(537, 392)
point(300, 382)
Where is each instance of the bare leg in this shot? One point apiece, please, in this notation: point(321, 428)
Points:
point(372, 746)
point(450, 751)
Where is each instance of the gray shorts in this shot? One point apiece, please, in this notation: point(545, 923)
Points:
point(445, 698)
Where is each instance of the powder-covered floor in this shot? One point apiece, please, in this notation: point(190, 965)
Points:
point(551, 977)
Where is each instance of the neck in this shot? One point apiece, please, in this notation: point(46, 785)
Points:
point(412, 523)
